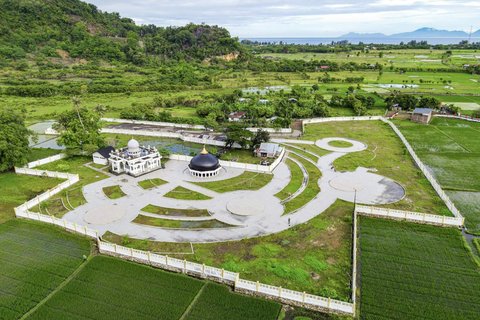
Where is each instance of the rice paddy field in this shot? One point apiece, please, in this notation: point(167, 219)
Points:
point(450, 148)
point(35, 259)
point(411, 271)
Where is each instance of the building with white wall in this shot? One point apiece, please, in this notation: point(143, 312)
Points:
point(135, 160)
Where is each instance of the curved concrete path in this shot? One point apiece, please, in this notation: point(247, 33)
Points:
point(267, 222)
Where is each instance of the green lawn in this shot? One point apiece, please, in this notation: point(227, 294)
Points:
point(246, 181)
point(296, 178)
point(301, 150)
point(385, 153)
point(180, 224)
point(113, 192)
point(450, 148)
point(34, 259)
point(16, 189)
point(310, 191)
point(411, 271)
point(312, 257)
point(340, 144)
point(151, 183)
point(41, 153)
point(182, 193)
point(176, 212)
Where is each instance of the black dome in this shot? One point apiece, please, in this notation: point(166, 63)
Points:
point(204, 162)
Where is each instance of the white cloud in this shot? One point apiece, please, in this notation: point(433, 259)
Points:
point(302, 18)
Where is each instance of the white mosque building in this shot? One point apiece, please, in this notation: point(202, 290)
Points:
point(134, 160)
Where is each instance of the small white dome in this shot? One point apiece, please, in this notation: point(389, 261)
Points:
point(133, 144)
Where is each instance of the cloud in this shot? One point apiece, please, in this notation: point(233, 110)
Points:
point(301, 18)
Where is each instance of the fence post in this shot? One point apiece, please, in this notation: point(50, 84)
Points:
point(223, 273)
point(328, 303)
point(131, 252)
point(279, 292)
point(203, 268)
point(236, 279)
point(257, 285)
point(303, 296)
point(149, 257)
point(184, 265)
point(166, 260)
point(115, 248)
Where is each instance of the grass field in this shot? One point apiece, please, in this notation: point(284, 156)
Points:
point(450, 148)
point(246, 181)
point(310, 192)
point(16, 189)
point(176, 212)
point(411, 271)
point(182, 193)
point(386, 154)
point(41, 153)
point(180, 224)
point(296, 178)
point(312, 257)
point(34, 259)
point(113, 192)
point(151, 183)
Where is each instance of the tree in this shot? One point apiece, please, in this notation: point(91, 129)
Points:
point(259, 137)
point(236, 133)
point(14, 139)
point(79, 130)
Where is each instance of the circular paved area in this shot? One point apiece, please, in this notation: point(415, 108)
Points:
point(246, 206)
point(103, 215)
point(371, 188)
point(356, 145)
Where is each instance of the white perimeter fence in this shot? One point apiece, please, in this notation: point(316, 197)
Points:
point(457, 117)
point(436, 186)
point(239, 165)
point(46, 160)
point(417, 217)
point(190, 126)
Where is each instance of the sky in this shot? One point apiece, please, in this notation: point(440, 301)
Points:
point(302, 18)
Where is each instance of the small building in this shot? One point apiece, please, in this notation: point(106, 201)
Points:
point(236, 116)
point(268, 150)
point(204, 165)
point(135, 160)
point(422, 115)
point(102, 155)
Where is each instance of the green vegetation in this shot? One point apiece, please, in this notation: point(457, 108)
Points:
point(387, 154)
point(180, 224)
point(310, 147)
point(411, 271)
point(246, 181)
point(312, 257)
point(302, 152)
point(35, 258)
point(170, 248)
point(340, 144)
point(113, 192)
point(449, 147)
point(296, 179)
point(16, 189)
point(217, 302)
point(310, 191)
point(41, 153)
point(182, 193)
point(176, 212)
point(151, 183)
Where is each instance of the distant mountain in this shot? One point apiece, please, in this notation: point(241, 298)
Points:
point(422, 33)
point(431, 33)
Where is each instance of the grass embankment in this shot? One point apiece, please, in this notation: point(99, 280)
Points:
point(182, 193)
point(180, 224)
point(388, 156)
point(310, 191)
point(113, 192)
point(411, 271)
point(71, 197)
point(296, 178)
point(16, 189)
point(35, 258)
point(450, 148)
point(41, 153)
point(246, 181)
point(176, 212)
point(312, 257)
point(301, 151)
point(151, 183)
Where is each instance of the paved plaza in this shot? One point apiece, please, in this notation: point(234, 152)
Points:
point(250, 213)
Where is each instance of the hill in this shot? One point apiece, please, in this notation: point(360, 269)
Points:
point(431, 33)
point(72, 28)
